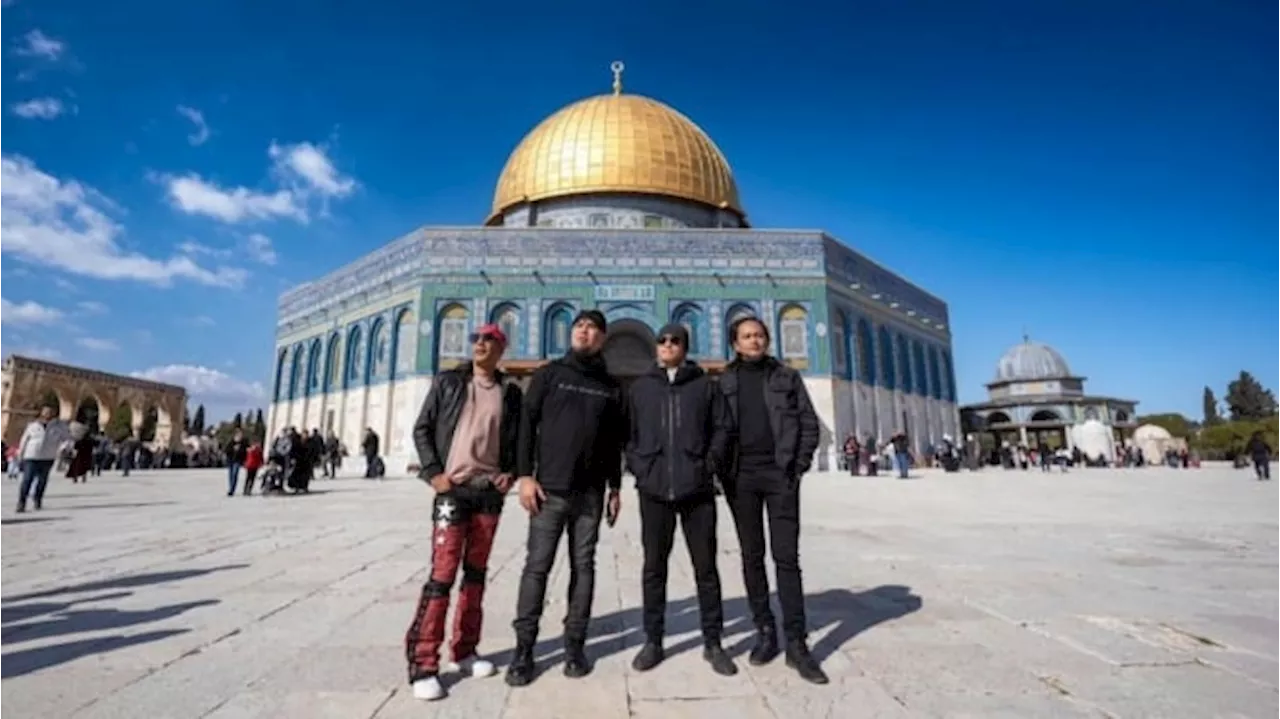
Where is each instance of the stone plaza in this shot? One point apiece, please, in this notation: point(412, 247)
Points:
point(1098, 593)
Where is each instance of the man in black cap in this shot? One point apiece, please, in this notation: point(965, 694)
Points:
point(680, 432)
point(569, 451)
point(777, 436)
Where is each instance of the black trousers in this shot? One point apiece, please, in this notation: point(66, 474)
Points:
point(578, 514)
point(697, 517)
point(749, 501)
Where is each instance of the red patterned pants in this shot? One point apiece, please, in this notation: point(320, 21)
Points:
point(464, 522)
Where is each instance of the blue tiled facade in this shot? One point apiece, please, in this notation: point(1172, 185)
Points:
point(840, 308)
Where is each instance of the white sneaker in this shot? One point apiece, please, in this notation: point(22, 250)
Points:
point(429, 689)
point(474, 666)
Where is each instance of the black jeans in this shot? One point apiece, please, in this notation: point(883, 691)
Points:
point(697, 517)
point(749, 501)
point(578, 514)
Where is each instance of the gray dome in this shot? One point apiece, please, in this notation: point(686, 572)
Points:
point(1031, 361)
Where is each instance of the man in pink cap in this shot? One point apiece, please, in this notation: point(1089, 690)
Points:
point(466, 439)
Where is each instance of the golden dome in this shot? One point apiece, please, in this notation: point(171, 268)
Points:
point(616, 143)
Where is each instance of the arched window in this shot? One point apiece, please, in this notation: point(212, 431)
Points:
point(691, 317)
point(793, 336)
point(281, 356)
point(949, 371)
point(866, 353)
point(922, 378)
point(452, 348)
point(355, 357)
point(904, 362)
point(295, 372)
point(735, 313)
point(332, 363)
point(379, 350)
point(556, 331)
point(507, 317)
point(935, 375)
point(314, 370)
point(888, 377)
point(840, 365)
point(406, 343)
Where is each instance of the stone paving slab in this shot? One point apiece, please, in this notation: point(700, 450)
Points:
point(1099, 593)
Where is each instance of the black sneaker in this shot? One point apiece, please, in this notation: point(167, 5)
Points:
point(650, 656)
point(575, 660)
point(720, 662)
point(22, 507)
point(799, 659)
point(520, 673)
point(39, 503)
point(766, 647)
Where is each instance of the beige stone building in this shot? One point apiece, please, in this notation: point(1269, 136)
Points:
point(90, 397)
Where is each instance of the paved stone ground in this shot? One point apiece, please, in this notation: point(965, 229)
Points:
point(1099, 593)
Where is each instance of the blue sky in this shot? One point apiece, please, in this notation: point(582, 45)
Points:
point(1099, 174)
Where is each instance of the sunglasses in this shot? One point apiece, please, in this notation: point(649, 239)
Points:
point(670, 340)
point(476, 337)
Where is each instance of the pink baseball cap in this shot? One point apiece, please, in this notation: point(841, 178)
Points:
point(493, 331)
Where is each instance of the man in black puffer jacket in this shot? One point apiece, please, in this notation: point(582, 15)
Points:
point(679, 435)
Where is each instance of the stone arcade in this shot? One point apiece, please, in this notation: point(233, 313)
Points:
point(88, 396)
point(616, 202)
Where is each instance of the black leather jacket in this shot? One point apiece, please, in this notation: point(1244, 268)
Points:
point(433, 432)
point(796, 430)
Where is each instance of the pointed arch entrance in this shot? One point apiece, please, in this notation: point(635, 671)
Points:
point(629, 349)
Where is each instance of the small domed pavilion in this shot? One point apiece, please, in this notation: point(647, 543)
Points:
point(1035, 397)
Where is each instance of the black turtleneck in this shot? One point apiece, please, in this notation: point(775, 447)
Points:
point(755, 435)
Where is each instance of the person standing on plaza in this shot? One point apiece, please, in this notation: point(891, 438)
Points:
point(680, 432)
point(778, 433)
point(236, 451)
point(370, 445)
point(1260, 452)
point(252, 463)
point(466, 440)
point(571, 435)
point(38, 450)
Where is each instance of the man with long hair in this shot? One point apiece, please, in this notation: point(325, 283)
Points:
point(777, 436)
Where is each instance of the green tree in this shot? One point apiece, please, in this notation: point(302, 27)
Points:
point(197, 422)
point(259, 427)
point(147, 428)
point(238, 421)
point(1247, 399)
point(1210, 404)
point(121, 423)
point(186, 420)
point(1178, 425)
point(48, 398)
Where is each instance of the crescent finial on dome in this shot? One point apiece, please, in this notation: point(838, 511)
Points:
point(617, 67)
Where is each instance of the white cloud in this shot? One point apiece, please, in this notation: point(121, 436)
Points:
point(44, 353)
point(203, 320)
point(93, 308)
point(260, 249)
point(195, 196)
point(37, 44)
point(97, 344)
point(221, 393)
point(27, 313)
point(63, 224)
point(191, 247)
point(308, 164)
point(201, 133)
point(41, 108)
point(302, 172)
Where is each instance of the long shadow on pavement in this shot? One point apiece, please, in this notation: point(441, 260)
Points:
point(845, 613)
point(16, 664)
point(123, 582)
point(75, 621)
point(29, 520)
